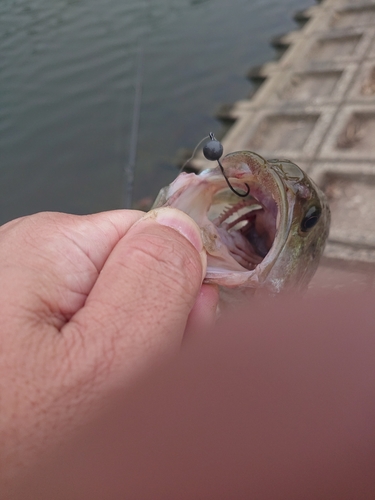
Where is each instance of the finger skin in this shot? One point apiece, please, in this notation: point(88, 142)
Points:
point(48, 265)
point(204, 313)
point(154, 276)
point(91, 303)
point(50, 261)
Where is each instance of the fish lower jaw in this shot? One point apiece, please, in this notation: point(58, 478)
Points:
point(227, 263)
point(233, 279)
point(233, 241)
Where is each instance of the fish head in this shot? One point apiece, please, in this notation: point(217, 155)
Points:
point(271, 239)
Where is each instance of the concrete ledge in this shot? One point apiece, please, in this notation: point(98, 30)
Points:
point(318, 86)
point(362, 89)
point(341, 15)
point(294, 133)
point(352, 134)
point(316, 107)
point(350, 188)
point(260, 73)
point(332, 276)
point(343, 46)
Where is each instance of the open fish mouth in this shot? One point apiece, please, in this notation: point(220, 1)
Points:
point(242, 236)
point(264, 223)
point(247, 240)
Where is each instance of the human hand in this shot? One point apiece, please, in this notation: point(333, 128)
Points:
point(89, 303)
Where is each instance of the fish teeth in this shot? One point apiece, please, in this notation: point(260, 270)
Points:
point(230, 210)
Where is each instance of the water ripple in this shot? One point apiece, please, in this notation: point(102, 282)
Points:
point(67, 70)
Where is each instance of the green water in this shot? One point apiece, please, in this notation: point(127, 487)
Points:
point(67, 72)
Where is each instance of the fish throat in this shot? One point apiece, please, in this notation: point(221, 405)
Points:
point(247, 227)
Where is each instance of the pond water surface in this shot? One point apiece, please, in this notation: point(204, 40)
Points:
point(67, 73)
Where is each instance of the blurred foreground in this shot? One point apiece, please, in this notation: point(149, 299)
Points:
point(277, 402)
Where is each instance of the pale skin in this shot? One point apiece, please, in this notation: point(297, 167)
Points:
point(87, 304)
point(114, 385)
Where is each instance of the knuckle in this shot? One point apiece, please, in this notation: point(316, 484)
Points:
point(34, 230)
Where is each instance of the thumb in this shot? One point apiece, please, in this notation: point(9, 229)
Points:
point(139, 305)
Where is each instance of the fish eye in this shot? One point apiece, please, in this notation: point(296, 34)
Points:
point(310, 219)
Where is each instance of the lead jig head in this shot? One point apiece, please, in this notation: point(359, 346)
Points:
point(213, 150)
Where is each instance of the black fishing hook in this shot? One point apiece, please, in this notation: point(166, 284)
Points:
point(242, 195)
point(213, 150)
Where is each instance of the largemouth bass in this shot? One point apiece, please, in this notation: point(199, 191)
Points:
point(271, 239)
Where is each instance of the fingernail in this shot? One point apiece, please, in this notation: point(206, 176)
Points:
point(183, 224)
